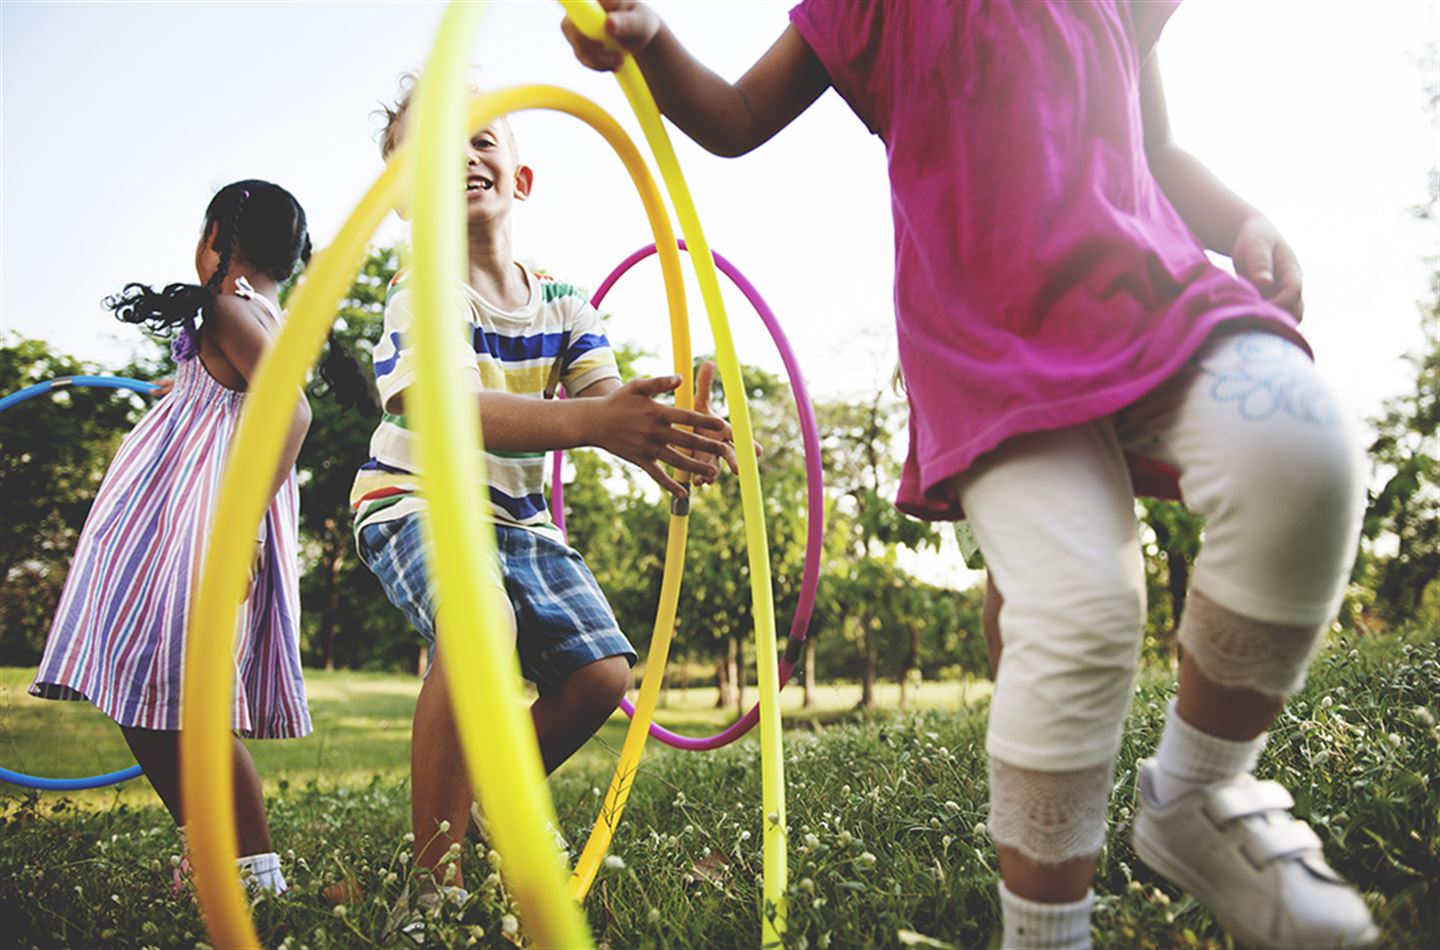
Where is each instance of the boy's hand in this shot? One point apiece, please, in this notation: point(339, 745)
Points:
point(640, 430)
point(1262, 257)
point(632, 26)
point(704, 380)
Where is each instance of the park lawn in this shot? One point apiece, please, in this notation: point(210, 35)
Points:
point(885, 813)
point(362, 729)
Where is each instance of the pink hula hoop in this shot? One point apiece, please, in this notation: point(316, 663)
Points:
point(815, 498)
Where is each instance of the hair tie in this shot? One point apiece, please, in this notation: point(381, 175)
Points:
point(245, 192)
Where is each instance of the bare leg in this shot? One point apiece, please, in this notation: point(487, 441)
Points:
point(573, 711)
point(1235, 714)
point(441, 788)
point(990, 620)
point(158, 753)
point(1046, 883)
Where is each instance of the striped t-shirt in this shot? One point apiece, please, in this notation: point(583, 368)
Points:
point(519, 351)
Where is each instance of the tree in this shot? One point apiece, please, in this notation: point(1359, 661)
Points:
point(1400, 560)
point(54, 452)
point(861, 468)
point(338, 593)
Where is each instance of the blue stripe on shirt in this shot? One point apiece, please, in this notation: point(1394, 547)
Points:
point(584, 344)
point(382, 367)
point(520, 509)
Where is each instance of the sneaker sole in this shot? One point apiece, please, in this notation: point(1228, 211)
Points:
point(1177, 872)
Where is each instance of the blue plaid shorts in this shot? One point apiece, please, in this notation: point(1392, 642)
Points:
point(562, 619)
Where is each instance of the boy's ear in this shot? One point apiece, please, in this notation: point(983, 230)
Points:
point(524, 181)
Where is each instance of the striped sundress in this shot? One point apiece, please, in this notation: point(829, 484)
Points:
point(118, 638)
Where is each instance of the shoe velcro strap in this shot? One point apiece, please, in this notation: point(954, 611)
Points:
point(1243, 800)
point(1271, 843)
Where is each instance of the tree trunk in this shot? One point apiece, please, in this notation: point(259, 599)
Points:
point(809, 673)
point(1179, 570)
point(729, 665)
point(738, 673)
point(329, 622)
point(867, 643)
point(912, 659)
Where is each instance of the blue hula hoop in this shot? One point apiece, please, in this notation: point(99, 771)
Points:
point(30, 392)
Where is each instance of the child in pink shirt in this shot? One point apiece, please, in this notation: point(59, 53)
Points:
point(1064, 340)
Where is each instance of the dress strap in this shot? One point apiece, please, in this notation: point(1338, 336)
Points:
point(243, 289)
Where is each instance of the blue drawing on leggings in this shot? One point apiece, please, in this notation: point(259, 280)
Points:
point(1264, 374)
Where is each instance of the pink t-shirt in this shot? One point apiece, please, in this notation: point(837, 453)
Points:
point(1042, 279)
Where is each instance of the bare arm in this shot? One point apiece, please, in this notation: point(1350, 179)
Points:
point(1221, 219)
point(242, 336)
point(725, 118)
point(625, 421)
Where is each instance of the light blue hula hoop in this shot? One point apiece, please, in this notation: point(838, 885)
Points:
point(30, 392)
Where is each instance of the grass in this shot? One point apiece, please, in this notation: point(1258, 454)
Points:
point(886, 819)
point(362, 729)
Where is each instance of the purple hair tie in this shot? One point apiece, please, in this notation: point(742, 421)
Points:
point(245, 192)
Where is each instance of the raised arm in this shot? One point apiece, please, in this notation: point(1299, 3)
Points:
point(1220, 218)
point(725, 118)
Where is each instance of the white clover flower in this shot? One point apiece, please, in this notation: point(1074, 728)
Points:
point(952, 805)
point(654, 915)
point(445, 826)
point(745, 835)
point(1395, 740)
point(509, 925)
point(614, 862)
point(340, 910)
point(867, 859)
point(1425, 716)
point(980, 830)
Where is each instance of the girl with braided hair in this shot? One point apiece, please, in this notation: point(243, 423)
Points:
point(118, 637)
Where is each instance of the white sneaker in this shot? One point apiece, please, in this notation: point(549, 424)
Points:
point(1261, 872)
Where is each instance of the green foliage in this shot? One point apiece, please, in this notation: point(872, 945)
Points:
point(54, 452)
point(345, 618)
point(1402, 521)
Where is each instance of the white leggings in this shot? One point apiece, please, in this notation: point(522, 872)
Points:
point(1263, 454)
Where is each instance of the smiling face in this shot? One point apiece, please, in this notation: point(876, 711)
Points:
point(494, 177)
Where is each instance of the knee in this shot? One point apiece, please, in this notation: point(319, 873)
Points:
point(594, 690)
point(1296, 467)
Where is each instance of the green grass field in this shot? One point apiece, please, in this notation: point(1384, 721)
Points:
point(886, 819)
point(362, 729)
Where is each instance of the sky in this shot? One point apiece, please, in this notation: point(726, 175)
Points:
point(118, 121)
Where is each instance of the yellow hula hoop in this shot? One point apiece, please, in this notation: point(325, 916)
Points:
point(298, 345)
point(205, 774)
point(588, 16)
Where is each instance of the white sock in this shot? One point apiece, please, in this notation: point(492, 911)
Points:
point(1189, 759)
point(261, 872)
point(1050, 926)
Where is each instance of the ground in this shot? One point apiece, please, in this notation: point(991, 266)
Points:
point(886, 814)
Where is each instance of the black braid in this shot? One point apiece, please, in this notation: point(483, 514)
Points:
point(226, 229)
